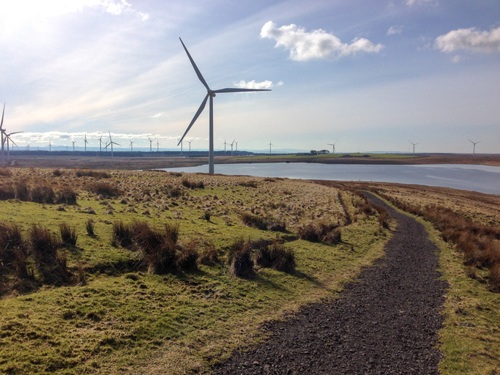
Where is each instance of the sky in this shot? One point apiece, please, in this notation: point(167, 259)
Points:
point(366, 75)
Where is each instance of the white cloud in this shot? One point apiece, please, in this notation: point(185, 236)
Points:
point(394, 30)
point(455, 59)
point(317, 44)
point(469, 39)
point(257, 85)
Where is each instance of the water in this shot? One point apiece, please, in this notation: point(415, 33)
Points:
point(481, 178)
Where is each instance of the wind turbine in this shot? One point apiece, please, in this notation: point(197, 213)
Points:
point(100, 144)
point(333, 146)
point(2, 131)
point(86, 142)
point(474, 146)
point(232, 143)
point(157, 146)
point(73, 146)
point(414, 144)
point(150, 145)
point(190, 145)
point(50, 145)
point(8, 138)
point(236, 146)
point(270, 150)
point(225, 143)
point(131, 145)
point(111, 143)
point(211, 94)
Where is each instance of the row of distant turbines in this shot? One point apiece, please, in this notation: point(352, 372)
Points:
point(414, 144)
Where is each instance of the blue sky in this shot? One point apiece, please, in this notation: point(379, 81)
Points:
point(371, 75)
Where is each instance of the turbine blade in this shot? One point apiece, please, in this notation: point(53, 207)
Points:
point(12, 141)
point(198, 113)
point(198, 73)
point(237, 90)
point(15, 133)
point(3, 113)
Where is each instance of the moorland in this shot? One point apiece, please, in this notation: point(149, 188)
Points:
point(114, 271)
point(152, 160)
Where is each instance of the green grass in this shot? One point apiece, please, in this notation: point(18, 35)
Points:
point(124, 320)
point(470, 338)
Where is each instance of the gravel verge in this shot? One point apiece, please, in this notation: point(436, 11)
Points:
point(385, 322)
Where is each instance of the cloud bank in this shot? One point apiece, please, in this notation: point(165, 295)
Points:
point(317, 44)
point(257, 85)
point(470, 40)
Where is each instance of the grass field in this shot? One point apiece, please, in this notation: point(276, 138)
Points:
point(112, 315)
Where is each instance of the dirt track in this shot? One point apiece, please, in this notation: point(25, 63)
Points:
point(384, 323)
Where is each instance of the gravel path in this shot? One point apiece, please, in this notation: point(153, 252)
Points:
point(384, 323)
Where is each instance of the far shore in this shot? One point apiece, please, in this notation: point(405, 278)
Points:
point(145, 161)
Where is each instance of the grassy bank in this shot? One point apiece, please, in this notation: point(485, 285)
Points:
point(114, 314)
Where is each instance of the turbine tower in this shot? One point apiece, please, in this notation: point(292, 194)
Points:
point(2, 131)
point(190, 145)
point(232, 143)
point(333, 146)
point(225, 143)
point(157, 146)
point(211, 94)
point(236, 146)
point(270, 145)
point(50, 145)
point(111, 143)
point(86, 142)
point(131, 145)
point(473, 146)
point(414, 144)
point(100, 144)
point(150, 145)
point(73, 146)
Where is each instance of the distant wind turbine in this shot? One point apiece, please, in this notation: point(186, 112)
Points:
point(190, 145)
point(414, 144)
point(225, 143)
point(236, 146)
point(73, 145)
point(270, 145)
point(473, 146)
point(86, 142)
point(131, 145)
point(2, 132)
point(8, 138)
point(111, 143)
point(211, 94)
point(232, 143)
point(150, 145)
point(100, 144)
point(50, 145)
point(157, 146)
point(333, 146)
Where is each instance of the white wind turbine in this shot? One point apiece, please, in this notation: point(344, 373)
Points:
point(211, 94)
point(50, 145)
point(100, 144)
point(333, 146)
point(414, 144)
point(270, 149)
point(150, 145)
point(111, 143)
point(2, 132)
point(190, 145)
point(232, 143)
point(473, 146)
point(157, 146)
point(236, 146)
point(131, 145)
point(225, 144)
point(73, 145)
point(86, 142)
point(8, 138)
